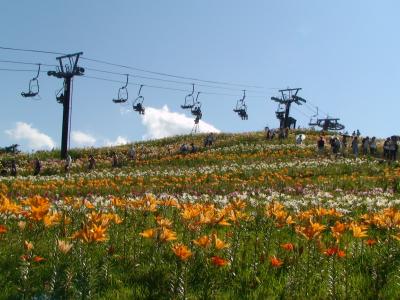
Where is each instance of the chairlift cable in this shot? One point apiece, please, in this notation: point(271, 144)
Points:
point(167, 80)
point(21, 70)
point(26, 63)
point(31, 50)
point(300, 111)
point(137, 69)
point(170, 75)
point(163, 87)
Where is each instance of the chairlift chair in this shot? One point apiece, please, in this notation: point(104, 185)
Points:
point(33, 86)
point(189, 100)
point(137, 105)
point(241, 107)
point(123, 92)
point(60, 95)
point(330, 124)
point(314, 119)
point(196, 109)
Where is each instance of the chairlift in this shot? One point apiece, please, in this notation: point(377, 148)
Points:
point(189, 100)
point(331, 124)
point(123, 92)
point(137, 105)
point(60, 97)
point(196, 109)
point(241, 107)
point(33, 86)
point(314, 119)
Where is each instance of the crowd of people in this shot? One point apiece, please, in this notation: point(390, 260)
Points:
point(338, 146)
point(367, 145)
point(115, 160)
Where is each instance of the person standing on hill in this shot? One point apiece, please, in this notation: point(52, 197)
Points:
point(193, 148)
point(344, 140)
point(92, 162)
point(132, 153)
point(68, 163)
point(267, 133)
point(114, 160)
point(335, 146)
point(386, 148)
point(372, 146)
point(354, 146)
point(37, 167)
point(13, 171)
point(321, 145)
point(208, 141)
point(393, 148)
point(365, 145)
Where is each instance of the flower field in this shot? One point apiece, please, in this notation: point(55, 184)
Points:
point(245, 219)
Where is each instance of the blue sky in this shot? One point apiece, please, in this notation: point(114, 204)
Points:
point(344, 54)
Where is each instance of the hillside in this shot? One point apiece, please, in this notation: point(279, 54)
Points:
point(244, 218)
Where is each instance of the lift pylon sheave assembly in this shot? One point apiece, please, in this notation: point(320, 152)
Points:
point(67, 70)
point(189, 100)
point(137, 105)
point(241, 107)
point(123, 92)
point(331, 124)
point(289, 96)
point(33, 86)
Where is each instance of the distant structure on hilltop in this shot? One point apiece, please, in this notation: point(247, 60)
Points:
point(289, 96)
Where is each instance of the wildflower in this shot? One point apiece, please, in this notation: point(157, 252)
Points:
point(38, 258)
point(275, 262)
point(203, 241)
point(3, 229)
point(21, 225)
point(167, 235)
point(63, 246)
point(219, 244)
point(164, 222)
point(28, 245)
point(341, 253)
point(51, 219)
point(330, 251)
point(335, 251)
point(312, 231)
point(338, 230)
point(218, 261)
point(290, 221)
point(148, 233)
point(288, 246)
point(370, 242)
point(98, 233)
point(359, 231)
point(24, 257)
point(181, 251)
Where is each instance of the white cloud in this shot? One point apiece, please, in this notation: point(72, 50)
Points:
point(119, 141)
point(124, 111)
point(82, 139)
point(35, 139)
point(161, 123)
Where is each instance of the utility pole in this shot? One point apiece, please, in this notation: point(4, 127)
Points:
point(288, 97)
point(67, 70)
